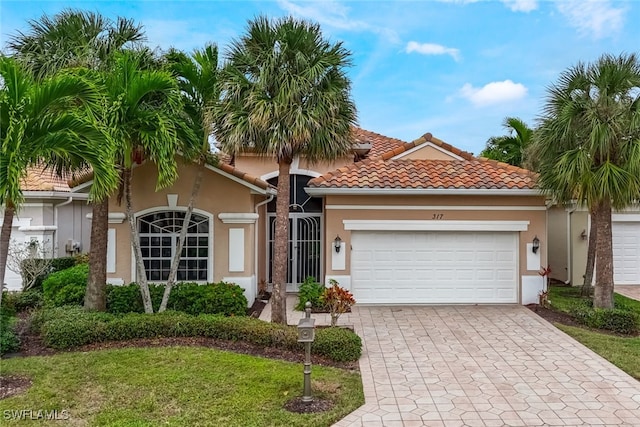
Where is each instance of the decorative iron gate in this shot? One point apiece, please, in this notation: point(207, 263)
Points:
point(305, 252)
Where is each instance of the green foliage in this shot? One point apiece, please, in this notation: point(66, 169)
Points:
point(21, 301)
point(9, 341)
point(56, 264)
point(66, 286)
point(617, 320)
point(310, 290)
point(339, 344)
point(338, 300)
point(68, 327)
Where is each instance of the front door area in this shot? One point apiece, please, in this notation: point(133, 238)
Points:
point(305, 234)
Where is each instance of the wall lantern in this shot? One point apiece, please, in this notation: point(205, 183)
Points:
point(337, 244)
point(583, 235)
point(536, 244)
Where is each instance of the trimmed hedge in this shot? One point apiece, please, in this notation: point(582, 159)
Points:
point(59, 264)
point(68, 327)
point(9, 341)
point(16, 302)
point(66, 287)
point(620, 320)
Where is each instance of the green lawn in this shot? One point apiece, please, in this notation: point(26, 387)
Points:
point(175, 386)
point(622, 352)
point(562, 298)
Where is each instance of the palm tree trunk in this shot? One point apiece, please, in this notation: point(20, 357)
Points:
point(5, 238)
point(587, 287)
point(135, 245)
point(603, 294)
point(183, 236)
point(95, 297)
point(281, 243)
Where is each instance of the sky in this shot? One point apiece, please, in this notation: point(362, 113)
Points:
point(454, 68)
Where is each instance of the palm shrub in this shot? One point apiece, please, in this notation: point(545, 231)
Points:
point(310, 290)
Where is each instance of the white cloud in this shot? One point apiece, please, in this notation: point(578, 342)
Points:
point(598, 18)
point(521, 5)
point(493, 93)
point(334, 14)
point(432, 49)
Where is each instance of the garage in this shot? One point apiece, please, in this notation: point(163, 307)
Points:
point(434, 267)
point(626, 253)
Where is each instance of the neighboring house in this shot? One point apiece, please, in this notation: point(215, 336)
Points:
point(569, 229)
point(52, 215)
point(394, 222)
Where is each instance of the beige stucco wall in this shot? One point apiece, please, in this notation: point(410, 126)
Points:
point(427, 152)
point(558, 250)
point(579, 246)
point(536, 217)
point(217, 194)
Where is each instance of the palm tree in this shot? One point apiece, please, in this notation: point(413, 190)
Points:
point(144, 107)
point(588, 148)
point(509, 148)
point(83, 39)
point(42, 123)
point(285, 94)
point(198, 80)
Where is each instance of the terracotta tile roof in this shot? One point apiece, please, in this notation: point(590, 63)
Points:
point(469, 173)
point(379, 143)
point(40, 179)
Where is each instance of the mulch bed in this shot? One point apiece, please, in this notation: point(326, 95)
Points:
point(316, 405)
point(12, 385)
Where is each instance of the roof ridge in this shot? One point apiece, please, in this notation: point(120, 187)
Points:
point(506, 165)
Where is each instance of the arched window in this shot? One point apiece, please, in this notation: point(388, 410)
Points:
point(159, 232)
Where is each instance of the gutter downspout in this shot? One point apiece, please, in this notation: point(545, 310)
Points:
point(255, 237)
point(54, 252)
point(569, 246)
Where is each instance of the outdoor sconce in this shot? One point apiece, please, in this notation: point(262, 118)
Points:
point(536, 244)
point(583, 235)
point(337, 244)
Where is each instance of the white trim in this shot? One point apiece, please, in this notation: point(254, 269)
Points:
point(36, 205)
point(30, 194)
point(210, 261)
point(292, 171)
point(172, 200)
point(427, 144)
point(82, 186)
point(236, 250)
point(238, 180)
point(111, 250)
point(114, 217)
point(436, 208)
point(116, 281)
point(19, 222)
point(320, 191)
point(37, 228)
point(433, 225)
point(625, 217)
point(238, 218)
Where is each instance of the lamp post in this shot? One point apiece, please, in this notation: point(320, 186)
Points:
point(306, 335)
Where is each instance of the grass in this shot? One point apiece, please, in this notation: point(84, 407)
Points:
point(176, 386)
point(622, 352)
point(562, 298)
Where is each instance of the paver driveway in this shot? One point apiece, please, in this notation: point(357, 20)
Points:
point(483, 366)
point(631, 291)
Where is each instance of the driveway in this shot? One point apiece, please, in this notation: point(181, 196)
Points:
point(483, 366)
point(631, 291)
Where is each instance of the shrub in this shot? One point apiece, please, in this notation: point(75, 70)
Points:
point(66, 286)
point(338, 300)
point(310, 290)
point(618, 320)
point(59, 264)
point(341, 345)
point(9, 341)
point(67, 327)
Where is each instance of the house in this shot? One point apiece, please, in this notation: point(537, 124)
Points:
point(569, 228)
point(51, 215)
point(394, 222)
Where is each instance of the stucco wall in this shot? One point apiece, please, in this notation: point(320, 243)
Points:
point(427, 152)
point(558, 255)
point(579, 246)
point(218, 194)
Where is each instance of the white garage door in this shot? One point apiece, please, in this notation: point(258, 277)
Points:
point(626, 253)
point(435, 267)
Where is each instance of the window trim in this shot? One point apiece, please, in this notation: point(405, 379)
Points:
point(208, 215)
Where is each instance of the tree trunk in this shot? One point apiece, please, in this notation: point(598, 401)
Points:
point(175, 263)
point(281, 244)
point(135, 245)
point(603, 294)
point(5, 238)
point(95, 297)
point(587, 288)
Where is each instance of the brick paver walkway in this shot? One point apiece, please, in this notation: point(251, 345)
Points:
point(631, 291)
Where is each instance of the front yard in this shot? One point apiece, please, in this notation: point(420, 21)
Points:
point(173, 386)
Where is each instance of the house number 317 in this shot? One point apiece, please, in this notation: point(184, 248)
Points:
point(437, 216)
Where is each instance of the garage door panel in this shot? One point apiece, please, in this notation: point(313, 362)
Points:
point(434, 267)
point(626, 253)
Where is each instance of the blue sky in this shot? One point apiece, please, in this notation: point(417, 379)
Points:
point(454, 68)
